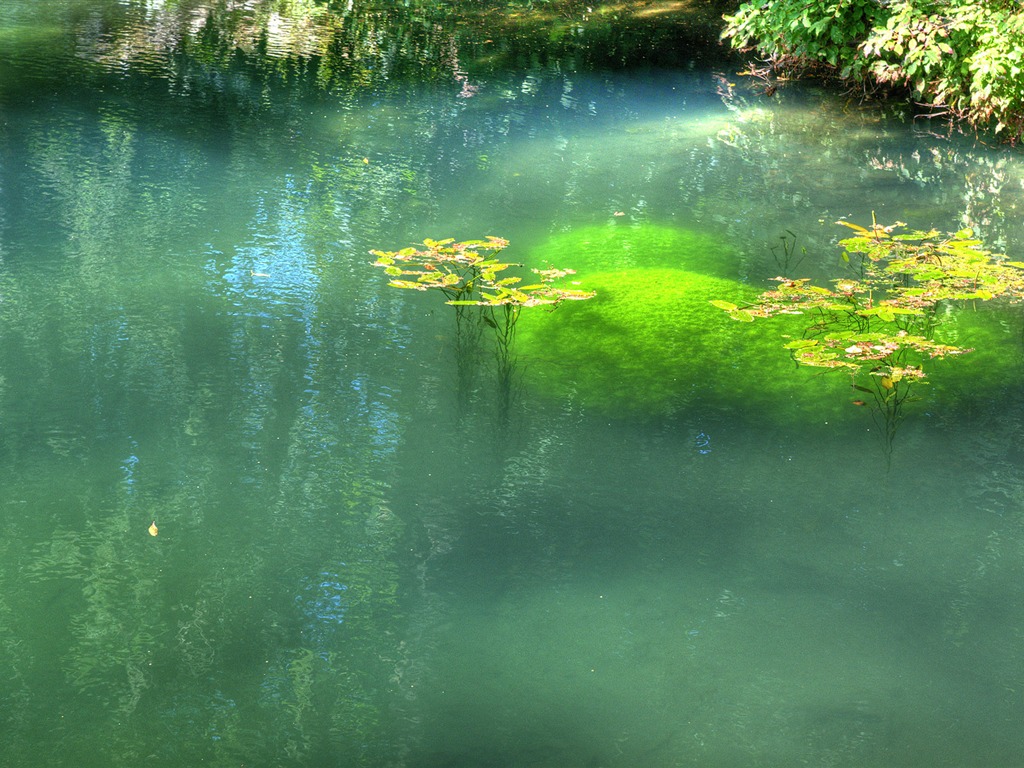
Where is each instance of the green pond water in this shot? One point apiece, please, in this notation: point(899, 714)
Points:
point(649, 555)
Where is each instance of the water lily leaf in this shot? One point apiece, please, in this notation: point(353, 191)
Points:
point(885, 313)
point(854, 227)
point(919, 235)
point(407, 284)
point(801, 344)
point(858, 244)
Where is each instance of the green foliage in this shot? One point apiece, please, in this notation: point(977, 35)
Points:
point(814, 31)
point(452, 268)
point(965, 56)
point(962, 57)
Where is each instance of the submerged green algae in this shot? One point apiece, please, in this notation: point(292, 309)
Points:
point(995, 335)
point(625, 245)
point(652, 343)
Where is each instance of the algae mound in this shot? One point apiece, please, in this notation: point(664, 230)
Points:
point(650, 342)
point(616, 246)
point(996, 336)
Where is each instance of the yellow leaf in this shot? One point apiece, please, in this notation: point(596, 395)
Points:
point(153, 530)
point(854, 227)
point(728, 306)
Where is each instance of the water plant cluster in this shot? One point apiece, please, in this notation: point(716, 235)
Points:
point(468, 274)
point(880, 324)
point(659, 338)
point(464, 270)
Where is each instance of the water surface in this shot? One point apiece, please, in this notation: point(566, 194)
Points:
point(361, 559)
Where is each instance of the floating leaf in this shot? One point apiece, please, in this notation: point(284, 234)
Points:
point(153, 530)
point(407, 284)
point(801, 344)
point(854, 227)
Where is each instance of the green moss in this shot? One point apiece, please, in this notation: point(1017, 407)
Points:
point(624, 245)
point(995, 333)
point(650, 342)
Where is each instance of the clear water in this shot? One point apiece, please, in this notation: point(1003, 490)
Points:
point(358, 563)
